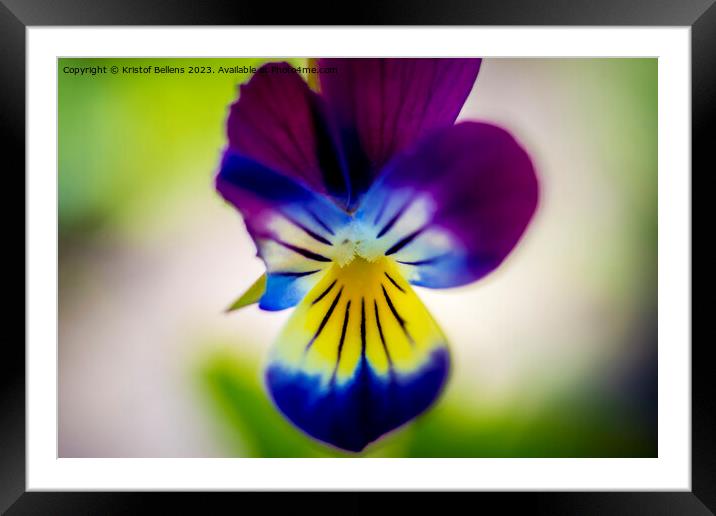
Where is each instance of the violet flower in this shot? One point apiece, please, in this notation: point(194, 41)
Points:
point(352, 194)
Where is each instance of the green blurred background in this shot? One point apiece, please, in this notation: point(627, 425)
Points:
point(554, 353)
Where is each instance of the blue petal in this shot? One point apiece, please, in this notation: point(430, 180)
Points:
point(451, 210)
point(286, 290)
point(293, 227)
point(356, 414)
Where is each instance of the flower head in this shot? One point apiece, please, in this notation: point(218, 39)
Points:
point(352, 194)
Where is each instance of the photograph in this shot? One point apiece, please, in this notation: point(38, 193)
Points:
point(431, 249)
point(380, 257)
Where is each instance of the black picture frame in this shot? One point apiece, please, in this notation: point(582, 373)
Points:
point(17, 15)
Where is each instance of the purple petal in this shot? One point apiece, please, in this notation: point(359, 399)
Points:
point(385, 105)
point(279, 122)
point(450, 211)
point(293, 227)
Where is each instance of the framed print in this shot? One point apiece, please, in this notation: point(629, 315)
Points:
point(445, 249)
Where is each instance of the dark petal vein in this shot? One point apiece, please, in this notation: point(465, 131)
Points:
point(362, 328)
point(320, 222)
point(323, 294)
point(394, 283)
point(423, 262)
point(294, 274)
point(325, 320)
point(381, 211)
point(382, 337)
point(393, 220)
point(398, 318)
point(343, 339)
point(308, 231)
point(404, 241)
point(303, 252)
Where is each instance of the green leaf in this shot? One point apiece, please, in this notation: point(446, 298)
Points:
point(251, 296)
